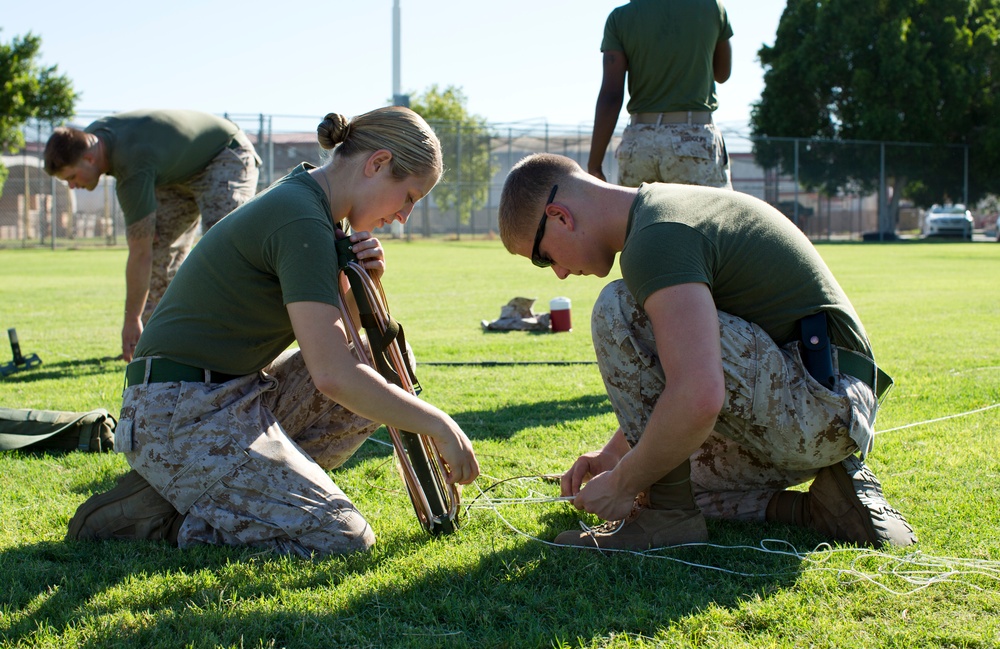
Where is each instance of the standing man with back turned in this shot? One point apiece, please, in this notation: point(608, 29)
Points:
point(170, 167)
point(734, 361)
point(673, 52)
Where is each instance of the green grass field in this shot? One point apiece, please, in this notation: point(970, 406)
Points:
point(933, 314)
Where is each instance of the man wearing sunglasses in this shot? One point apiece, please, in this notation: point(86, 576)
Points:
point(735, 363)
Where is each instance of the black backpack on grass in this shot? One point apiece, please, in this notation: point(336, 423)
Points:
point(55, 430)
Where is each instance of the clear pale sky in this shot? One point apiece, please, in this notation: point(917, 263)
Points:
point(516, 60)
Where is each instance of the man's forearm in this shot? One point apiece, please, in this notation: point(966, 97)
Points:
point(605, 119)
point(609, 105)
point(137, 272)
point(139, 266)
point(617, 446)
point(662, 448)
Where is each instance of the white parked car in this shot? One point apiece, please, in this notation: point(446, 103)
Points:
point(948, 221)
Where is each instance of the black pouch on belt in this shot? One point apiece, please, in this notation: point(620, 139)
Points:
point(816, 352)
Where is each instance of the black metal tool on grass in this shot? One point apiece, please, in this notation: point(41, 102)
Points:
point(20, 361)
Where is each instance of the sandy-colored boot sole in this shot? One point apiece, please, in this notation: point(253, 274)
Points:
point(846, 504)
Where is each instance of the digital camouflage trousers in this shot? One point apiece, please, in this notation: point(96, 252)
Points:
point(228, 181)
point(778, 426)
point(689, 154)
point(246, 460)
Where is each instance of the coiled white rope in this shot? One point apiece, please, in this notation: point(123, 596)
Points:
point(896, 574)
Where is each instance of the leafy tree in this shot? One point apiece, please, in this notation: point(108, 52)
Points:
point(465, 145)
point(889, 71)
point(28, 91)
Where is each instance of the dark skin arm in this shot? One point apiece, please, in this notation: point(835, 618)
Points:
point(611, 98)
point(609, 106)
point(722, 61)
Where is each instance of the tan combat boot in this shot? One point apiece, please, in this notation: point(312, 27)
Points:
point(131, 510)
point(844, 503)
point(666, 516)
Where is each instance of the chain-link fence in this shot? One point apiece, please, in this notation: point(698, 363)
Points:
point(37, 210)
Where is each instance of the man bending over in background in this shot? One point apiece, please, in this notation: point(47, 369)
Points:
point(170, 167)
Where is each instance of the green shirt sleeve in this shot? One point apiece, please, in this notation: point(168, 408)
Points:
point(689, 260)
point(137, 195)
point(303, 256)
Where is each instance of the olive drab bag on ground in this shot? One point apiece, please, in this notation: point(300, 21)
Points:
point(55, 430)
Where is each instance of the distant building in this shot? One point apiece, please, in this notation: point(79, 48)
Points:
point(27, 205)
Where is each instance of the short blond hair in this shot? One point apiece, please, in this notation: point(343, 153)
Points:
point(524, 193)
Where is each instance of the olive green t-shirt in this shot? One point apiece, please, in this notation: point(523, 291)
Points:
point(669, 45)
point(757, 264)
point(225, 309)
point(149, 148)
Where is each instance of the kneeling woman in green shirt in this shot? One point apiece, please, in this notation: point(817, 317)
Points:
point(228, 432)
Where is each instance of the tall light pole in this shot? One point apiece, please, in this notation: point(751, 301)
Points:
point(398, 99)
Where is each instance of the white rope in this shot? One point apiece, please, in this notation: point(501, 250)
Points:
point(497, 502)
point(915, 570)
point(879, 569)
point(932, 421)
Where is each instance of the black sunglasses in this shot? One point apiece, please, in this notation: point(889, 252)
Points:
point(536, 256)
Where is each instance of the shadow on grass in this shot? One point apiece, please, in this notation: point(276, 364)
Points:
point(66, 369)
point(526, 594)
point(498, 423)
point(53, 586)
point(506, 421)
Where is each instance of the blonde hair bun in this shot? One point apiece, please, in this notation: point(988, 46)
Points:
point(416, 150)
point(332, 130)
